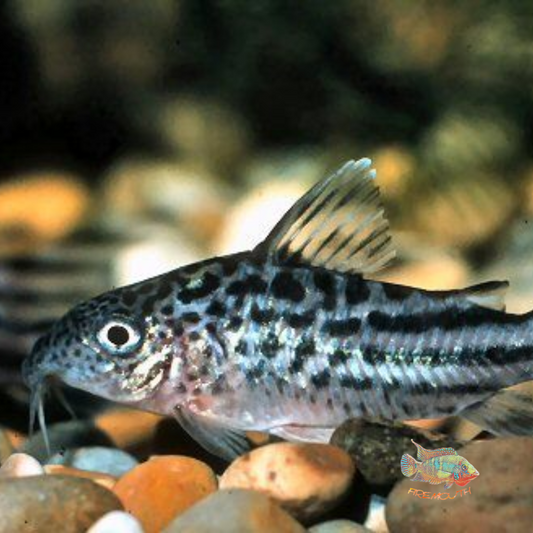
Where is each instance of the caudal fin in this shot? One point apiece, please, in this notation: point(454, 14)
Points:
point(409, 465)
point(506, 413)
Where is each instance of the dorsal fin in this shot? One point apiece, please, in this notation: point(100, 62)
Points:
point(424, 455)
point(490, 295)
point(339, 225)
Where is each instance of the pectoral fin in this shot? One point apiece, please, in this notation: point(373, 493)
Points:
point(220, 440)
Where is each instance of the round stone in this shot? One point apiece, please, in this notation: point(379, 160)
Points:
point(305, 479)
point(53, 503)
point(105, 480)
point(377, 447)
point(97, 459)
point(500, 499)
point(339, 526)
point(159, 490)
point(21, 465)
point(116, 522)
point(235, 510)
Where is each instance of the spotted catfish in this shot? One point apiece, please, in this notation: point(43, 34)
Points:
point(291, 338)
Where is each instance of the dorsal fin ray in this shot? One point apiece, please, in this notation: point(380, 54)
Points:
point(339, 224)
point(490, 295)
point(425, 455)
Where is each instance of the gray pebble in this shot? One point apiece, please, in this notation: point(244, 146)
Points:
point(96, 459)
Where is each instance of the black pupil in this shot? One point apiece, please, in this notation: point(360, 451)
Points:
point(118, 335)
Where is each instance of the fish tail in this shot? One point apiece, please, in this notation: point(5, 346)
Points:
point(409, 465)
point(506, 413)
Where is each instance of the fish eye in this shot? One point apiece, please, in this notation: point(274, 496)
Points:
point(119, 336)
point(465, 468)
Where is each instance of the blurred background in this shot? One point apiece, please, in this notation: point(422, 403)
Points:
point(137, 136)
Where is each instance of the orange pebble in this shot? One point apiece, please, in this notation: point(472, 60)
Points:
point(104, 480)
point(157, 491)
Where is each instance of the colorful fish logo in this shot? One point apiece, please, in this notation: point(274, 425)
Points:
point(438, 466)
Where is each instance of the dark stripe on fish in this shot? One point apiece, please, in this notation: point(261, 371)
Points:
point(449, 319)
point(342, 328)
point(465, 357)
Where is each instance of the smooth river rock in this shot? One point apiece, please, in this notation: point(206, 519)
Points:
point(377, 447)
point(500, 499)
point(21, 465)
point(158, 490)
point(239, 510)
point(116, 522)
point(52, 503)
point(97, 459)
point(339, 526)
point(305, 479)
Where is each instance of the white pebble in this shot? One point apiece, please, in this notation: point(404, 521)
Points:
point(116, 522)
point(21, 465)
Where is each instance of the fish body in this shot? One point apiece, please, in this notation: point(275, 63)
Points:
point(291, 338)
point(438, 466)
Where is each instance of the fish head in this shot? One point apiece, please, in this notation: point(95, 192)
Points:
point(105, 347)
point(465, 472)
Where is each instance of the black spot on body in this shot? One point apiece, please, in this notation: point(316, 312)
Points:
point(303, 350)
point(167, 310)
point(229, 266)
point(256, 284)
point(286, 287)
point(129, 297)
point(216, 308)
point(235, 322)
point(353, 383)
point(342, 328)
point(208, 284)
point(357, 291)
point(261, 316)
point(339, 357)
point(270, 346)
point(372, 356)
point(396, 292)
point(191, 317)
point(178, 330)
point(326, 283)
point(321, 380)
point(296, 320)
point(237, 288)
point(242, 347)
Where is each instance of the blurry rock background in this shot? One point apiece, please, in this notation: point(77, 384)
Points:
point(139, 136)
